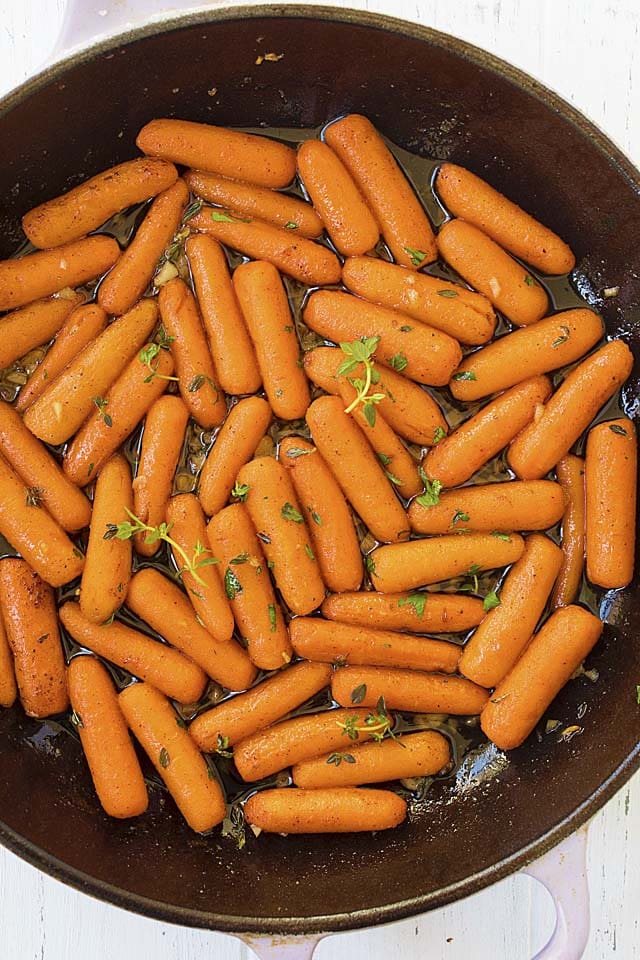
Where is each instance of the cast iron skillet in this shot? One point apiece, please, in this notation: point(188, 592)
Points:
point(436, 96)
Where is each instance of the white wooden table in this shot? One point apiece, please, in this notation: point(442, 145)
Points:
point(588, 52)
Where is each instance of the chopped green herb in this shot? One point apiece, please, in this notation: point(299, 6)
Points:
point(288, 328)
point(270, 564)
point(241, 558)
point(289, 512)
point(199, 381)
point(499, 535)
point(459, 517)
point(337, 758)
point(316, 517)
point(417, 256)
point(438, 435)
point(164, 758)
point(90, 470)
point(76, 719)
point(361, 351)
point(370, 564)
point(294, 452)
point(290, 225)
point(192, 210)
point(391, 477)
point(528, 279)
point(182, 723)
point(416, 600)
point(240, 491)
point(232, 586)
point(432, 488)
point(616, 428)
point(566, 333)
point(359, 693)
point(448, 293)
point(490, 601)
point(405, 328)
point(272, 617)
point(309, 552)
point(466, 375)
point(384, 459)
point(152, 352)
point(265, 538)
point(225, 218)
point(222, 746)
point(398, 362)
point(101, 403)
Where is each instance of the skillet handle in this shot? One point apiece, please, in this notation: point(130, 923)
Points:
point(563, 871)
point(282, 948)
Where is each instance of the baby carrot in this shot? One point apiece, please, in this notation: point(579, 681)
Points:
point(298, 257)
point(504, 633)
point(321, 640)
point(233, 355)
point(234, 446)
point(116, 417)
point(39, 274)
point(265, 307)
point(275, 513)
point(107, 568)
point(188, 778)
point(544, 346)
point(197, 378)
point(167, 669)
point(403, 566)
point(420, 754)
point(333, 534)
point(457, 457)
point(335, 196)
point(230, 153)
point(341, 810)
point(82, 326)
point(162, 441)
point(466, 195)
point(132, 274)
point(26, 328)
point(87, 206)
point(418, 612)
point(206, 593)
point(550, 660)
point(112, 760)
point(41, 473)
point(162, 604)
point(405, 225)
point(423, 353)
point(57, 413)
point(570, 410)
point(29, 614)
point(463, 314)
point(8, 688)
point(516, 505)
point(409, 690)
point(611, 468)
point(245, 574)
point(239, 717)
point(570, 473)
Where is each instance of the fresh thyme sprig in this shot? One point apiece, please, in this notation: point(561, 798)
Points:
point(152, 352)
point(378, 724)
point(361, 351)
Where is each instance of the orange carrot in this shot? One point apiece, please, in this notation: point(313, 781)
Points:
point(418, 612)
point(570, 472)
point(519, 505)
point(28, 327)
point(8, 688)
point(409, 690)
point(345, 810)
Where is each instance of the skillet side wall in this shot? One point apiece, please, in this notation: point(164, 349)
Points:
point(432, 96)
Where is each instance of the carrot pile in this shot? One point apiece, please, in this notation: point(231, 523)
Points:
point(301, 604)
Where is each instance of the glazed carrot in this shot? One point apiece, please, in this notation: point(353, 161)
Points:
point(466, 195)
point(28, 327)
point(112, 760)
point(457, 457)
point(107, 568)
point(233, 355)
point(357, 469)
point(550, 660)
point(265, 307)
point(154, 723)
point(67, 402)
point(206, 594)
point(611, 467)
point(237, 718)
point(251, 201)
point(346, 810)
point(116, 417)
point(244, 571)
point(403, 566)
point(296, 256)
point(492, 272)
point(268, 751)
point(570, 473)
point(409, 690)
point(275, 514)
point(408, 409)
point(519, 505)
point(405, 225)
point(8, 688)
point(197, 377)
point(544, 346)
point(463, 314)
point(82, 326)
point(414, 755)
point(570, 410)
point(41, 473)
point(161, 603)
point(29, 613)
point(504, 633)
point(335, 196)
point(33, 531)
point(162, 441)
point(418, 612)
point(426, 355)
point(242, 156)
point(39, 274)
point(333, 535)
point(157, 663)
point(132, 274)
point(316, 639)
point(234, 446)
point(87, 206)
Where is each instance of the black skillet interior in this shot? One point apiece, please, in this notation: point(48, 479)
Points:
point(440, 98)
